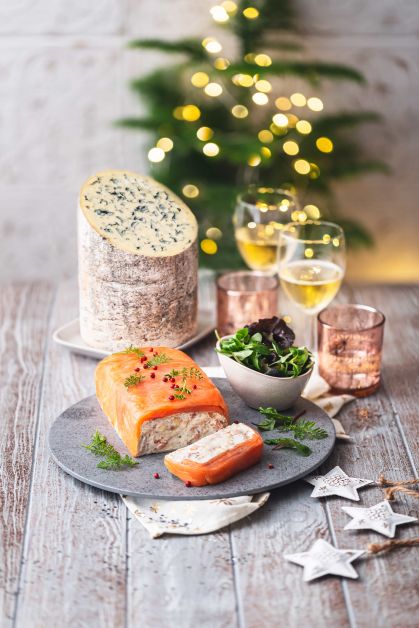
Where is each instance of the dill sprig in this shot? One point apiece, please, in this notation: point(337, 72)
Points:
point(160, 358)
point(274, 420)
point(133, 380)
point(112, 459)
point(131, 349)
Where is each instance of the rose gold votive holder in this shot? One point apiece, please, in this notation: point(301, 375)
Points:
point(243, 297)
point(350, 348)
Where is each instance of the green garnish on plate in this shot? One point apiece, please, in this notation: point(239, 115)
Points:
point(112, 459)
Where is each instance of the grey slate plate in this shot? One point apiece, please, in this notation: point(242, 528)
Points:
point(76, 425)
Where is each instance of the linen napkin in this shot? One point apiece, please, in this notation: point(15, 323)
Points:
point(203, 516)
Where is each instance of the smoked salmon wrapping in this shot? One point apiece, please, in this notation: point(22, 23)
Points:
point(217, 457)
point(158, 399)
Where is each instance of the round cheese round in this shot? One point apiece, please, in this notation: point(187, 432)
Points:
point(138, 263)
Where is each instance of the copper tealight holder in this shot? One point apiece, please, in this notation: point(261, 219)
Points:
point(350, 348)
point(243, 297)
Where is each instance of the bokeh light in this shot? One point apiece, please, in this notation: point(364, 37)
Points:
point(240, 111)
point(210, 149)
point(165, 143)
point(208, 246)
point(190, 190)
point(324, 144)
point(156, 154)
point(315, 104)
point(291, 148)
point(204, 133)
point(199, 79)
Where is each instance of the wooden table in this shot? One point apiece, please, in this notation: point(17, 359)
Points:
point(72, 555)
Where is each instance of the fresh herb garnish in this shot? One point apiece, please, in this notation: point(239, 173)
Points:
point(135, 350)
point(274, 420)
point(266, 346)
point(160, 358)
point(172, 373)
point(112, 459)
point(133, 380)
point(289, 443)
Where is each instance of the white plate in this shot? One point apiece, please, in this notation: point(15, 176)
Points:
point(69, 336)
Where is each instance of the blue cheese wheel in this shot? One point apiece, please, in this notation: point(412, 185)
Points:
point(138, 263)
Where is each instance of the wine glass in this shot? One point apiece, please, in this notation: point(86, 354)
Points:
point(311, 266)
point(260, 213)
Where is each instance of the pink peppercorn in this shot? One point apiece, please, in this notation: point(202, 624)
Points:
point(195, 386)
point(270, 466)
point(153, 375)
point(188, 483)
point(172, 379)
point(171, 397)
point(154, 368)
point(137, 369)
point(165, 379)
point(156, 476)
point(146, 366)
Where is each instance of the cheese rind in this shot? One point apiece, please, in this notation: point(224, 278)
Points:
point(131, 295)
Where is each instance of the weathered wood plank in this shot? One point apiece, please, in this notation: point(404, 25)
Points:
point(179, 582)
point(400, 304)
point(74, 561)
point(24, 314)
point(271, 590)
point(386, 593)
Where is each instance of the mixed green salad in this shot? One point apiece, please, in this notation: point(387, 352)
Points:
point(267, 346)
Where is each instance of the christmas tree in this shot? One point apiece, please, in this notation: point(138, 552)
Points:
point(219, 123)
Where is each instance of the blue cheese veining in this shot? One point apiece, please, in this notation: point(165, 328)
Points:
point(138, 263)
point(214, 445)
point(137, 215)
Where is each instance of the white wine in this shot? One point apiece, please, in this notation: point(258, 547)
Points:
point(311, 284)
point(258, 246)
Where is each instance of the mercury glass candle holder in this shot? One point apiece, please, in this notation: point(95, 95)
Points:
point(350, 348)
point(244, 297)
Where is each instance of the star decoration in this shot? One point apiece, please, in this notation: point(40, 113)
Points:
point(380, 518)
point(323, 559)
point(336, 482)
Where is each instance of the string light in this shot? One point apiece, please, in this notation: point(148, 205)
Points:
point(302, 166)
point(291, 148)
point(243, 80)
point(254, 160)
point(213, 89)
point(240, 111)
point(263, 86)
point(211, 45)
point(191, 113)
point(190, 190)
point(221, 63)
point(260, 99)
point(209, 246)
point(156, 154)
point(326, 238)
point(278, 130)
point(284, 205)
point(251, 225)
point(214, 233)
point(210, 149)
point(178, 113)
point(265, 136)
point(251, 13)
point(283, 103)
point(280, 119)
point(292, 120)
point(165, 143)
point(303, 126)
point(314, 171)
point(229, 6)
point(219, 14)
point(314, 212)
point(199, 79)
point(315, 104)
point(336, 242)
point(324, 144)
point(297, 99)
point(263, 60)
point(250, 57)
point(204, 133)
point(308, 253)
point(265, 152)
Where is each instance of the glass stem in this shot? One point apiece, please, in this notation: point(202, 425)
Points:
point(311, 333)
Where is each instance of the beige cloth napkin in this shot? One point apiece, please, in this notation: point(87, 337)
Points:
point(203, 516)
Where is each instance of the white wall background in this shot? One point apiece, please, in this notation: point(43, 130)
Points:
point(64, 70)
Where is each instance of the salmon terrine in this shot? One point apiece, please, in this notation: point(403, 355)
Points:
point(158, 399)
point(216, 457)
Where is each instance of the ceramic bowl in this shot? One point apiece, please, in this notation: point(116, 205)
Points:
point(257, 389)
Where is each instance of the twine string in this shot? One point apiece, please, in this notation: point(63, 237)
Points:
point(391, 487)
point(376, 548)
